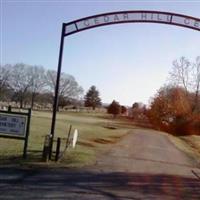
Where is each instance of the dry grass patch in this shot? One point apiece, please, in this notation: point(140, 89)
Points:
point(186, 144)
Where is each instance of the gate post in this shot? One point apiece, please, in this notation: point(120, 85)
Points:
point(55, 105)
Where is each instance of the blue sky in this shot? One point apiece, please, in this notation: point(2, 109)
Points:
point(127, 62)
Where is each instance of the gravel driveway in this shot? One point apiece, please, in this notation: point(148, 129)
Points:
point(143, 165)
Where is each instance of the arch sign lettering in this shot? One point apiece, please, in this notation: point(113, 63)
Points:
point(131, 17)
point(138, 16)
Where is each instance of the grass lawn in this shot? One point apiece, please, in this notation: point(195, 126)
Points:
point(96, 132)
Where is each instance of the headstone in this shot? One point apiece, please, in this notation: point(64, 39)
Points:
point(75, 138)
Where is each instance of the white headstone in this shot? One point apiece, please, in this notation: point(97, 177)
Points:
point(75, 138)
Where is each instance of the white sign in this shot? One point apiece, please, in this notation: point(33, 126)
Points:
point(136, 16)
point(13, 124)
point(75, 138)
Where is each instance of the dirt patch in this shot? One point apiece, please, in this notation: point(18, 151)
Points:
point(110, 127)
point(86, 144)
point(103, 141)
point(115, 137)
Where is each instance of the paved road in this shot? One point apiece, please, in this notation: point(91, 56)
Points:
point(144, 165)
point(146, 151)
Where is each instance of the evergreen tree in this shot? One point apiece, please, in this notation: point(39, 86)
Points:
point(114, 108)
point(92, 98)
point(123, 109)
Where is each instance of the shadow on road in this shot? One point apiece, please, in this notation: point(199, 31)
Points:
point(64, 184)
point(33, 156)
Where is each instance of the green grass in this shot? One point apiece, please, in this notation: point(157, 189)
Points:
point(96, 132)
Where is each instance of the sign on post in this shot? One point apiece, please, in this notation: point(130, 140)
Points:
point(15, 125)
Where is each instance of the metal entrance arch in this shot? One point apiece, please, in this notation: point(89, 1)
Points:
point(137, 16)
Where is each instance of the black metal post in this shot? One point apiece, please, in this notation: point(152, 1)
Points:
point(57, 149)
point(9, 108)
point(55, 104)
point(27, 134)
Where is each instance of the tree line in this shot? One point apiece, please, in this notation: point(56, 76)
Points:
point(176, 106)
point(31, 84)
point(92, 99)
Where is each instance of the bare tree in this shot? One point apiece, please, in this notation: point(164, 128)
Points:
point(37, 82)
point(187, 75)
point(4, 76)
point(181, 73)
point(196, 81)
point(20, 80)
point(69, 87)
point(50, 80)
point(25, 82)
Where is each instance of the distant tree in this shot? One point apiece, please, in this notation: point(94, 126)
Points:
point(92, 98)
point(135, 105)
point(37, 82)
point(135, 110)
point(44, 99)
point(138, 110)
point(186, 74)
point(62, 102)
point(4, 81)
point(123, 109)
point(114, 108)
point(68, 89)
point(27, 84)
point(170, 109)
point(196, 83)
point(20, 81)
point(181, 73)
